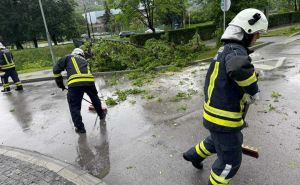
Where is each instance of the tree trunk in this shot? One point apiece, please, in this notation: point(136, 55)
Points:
point(295, 3)
point(19, 45)
point(35, 42)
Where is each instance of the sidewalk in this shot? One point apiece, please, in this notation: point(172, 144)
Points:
point(23, 167)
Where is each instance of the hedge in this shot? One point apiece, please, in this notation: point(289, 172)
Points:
point(284, 19)
point(179, 36)
point(206, 31)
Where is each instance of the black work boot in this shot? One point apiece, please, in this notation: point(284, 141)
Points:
point(80, 130)
point(192, 156)
point(6, 90)
point(103, 116)
point(19, 88)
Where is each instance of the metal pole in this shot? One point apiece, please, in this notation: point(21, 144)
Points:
point(224, 20)
point(92, 25)
point(87, 22)
point(47, 33)
point(189, 19)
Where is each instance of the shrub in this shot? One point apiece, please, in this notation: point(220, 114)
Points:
point(283, 18)
point(180, 36)
point(114, 56)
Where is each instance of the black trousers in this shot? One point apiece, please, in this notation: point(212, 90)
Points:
point(75, 96)
point(14, 76)
point(227, 145)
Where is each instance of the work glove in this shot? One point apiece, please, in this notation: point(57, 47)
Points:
point(60, 82)
point(252, 99)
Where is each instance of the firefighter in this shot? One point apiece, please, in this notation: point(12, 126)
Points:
point(7, 65)
point(80, 81)
point(230, 83)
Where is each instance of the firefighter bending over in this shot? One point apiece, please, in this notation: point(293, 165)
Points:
point(80, 81)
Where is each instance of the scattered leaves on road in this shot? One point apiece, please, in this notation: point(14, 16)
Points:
point(275, 95)
point(181, 96)
point(271, 108)
point(182, 108)
point(110, 102)
point(292, 164)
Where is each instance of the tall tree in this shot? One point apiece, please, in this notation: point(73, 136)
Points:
point(22, 21)
point(171, 12)
point(211, 8)
point(143, 10)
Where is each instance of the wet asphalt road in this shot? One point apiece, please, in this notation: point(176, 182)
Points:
point(143, 142)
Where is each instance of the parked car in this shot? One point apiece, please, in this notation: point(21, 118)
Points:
point(157, 30)
point(126, 34)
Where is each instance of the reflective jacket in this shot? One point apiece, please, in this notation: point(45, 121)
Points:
point(78, 71)
point(6, 59)
point(230, 76)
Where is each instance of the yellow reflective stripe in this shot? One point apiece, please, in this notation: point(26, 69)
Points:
point(7, 61)
point(199, 152)
point(204, 149)
point(223, 113)
point(247, 82)
point(89, 69)
point(222, 122)
point(80, 76)
point(57, 75)
point(212, 80)
point(218, 178)
point(5, 85)
point(7, 66)
point(243, 102)
point(81, 80)
point(214, 182)
point(18, 84)
point(75, 65)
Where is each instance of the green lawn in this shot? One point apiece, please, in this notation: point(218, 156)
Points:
point(199, 24)
point(36, 59)
point(283, 31)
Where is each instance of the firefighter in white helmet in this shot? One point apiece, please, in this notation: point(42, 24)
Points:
point(80, 81)
point(230, 79)
point(7, 65)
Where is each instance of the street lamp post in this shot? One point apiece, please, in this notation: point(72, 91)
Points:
point(86, 19)
point(47, 33)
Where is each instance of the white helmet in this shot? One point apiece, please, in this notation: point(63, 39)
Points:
point(2, 46)
point(251, 21)
point(78, 51)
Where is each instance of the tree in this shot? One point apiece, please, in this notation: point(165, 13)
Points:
point(171, 12)
point(143, 10)
point(61, 19)
point(21, 21)
point(12, 22)
point(211, 8)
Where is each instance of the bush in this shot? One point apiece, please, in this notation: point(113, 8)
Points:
point(193, 46)
point(114, 56)
point(284, 18)
point(180, 36)
point(110, 56)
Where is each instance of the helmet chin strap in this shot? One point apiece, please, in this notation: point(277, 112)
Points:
point(247, 39)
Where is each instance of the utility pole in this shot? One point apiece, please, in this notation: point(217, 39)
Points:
point(47, 33)
point(87, 22)
point(92, 25)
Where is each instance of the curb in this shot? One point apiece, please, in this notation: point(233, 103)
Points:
point(63, 169)
point(196, 62)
